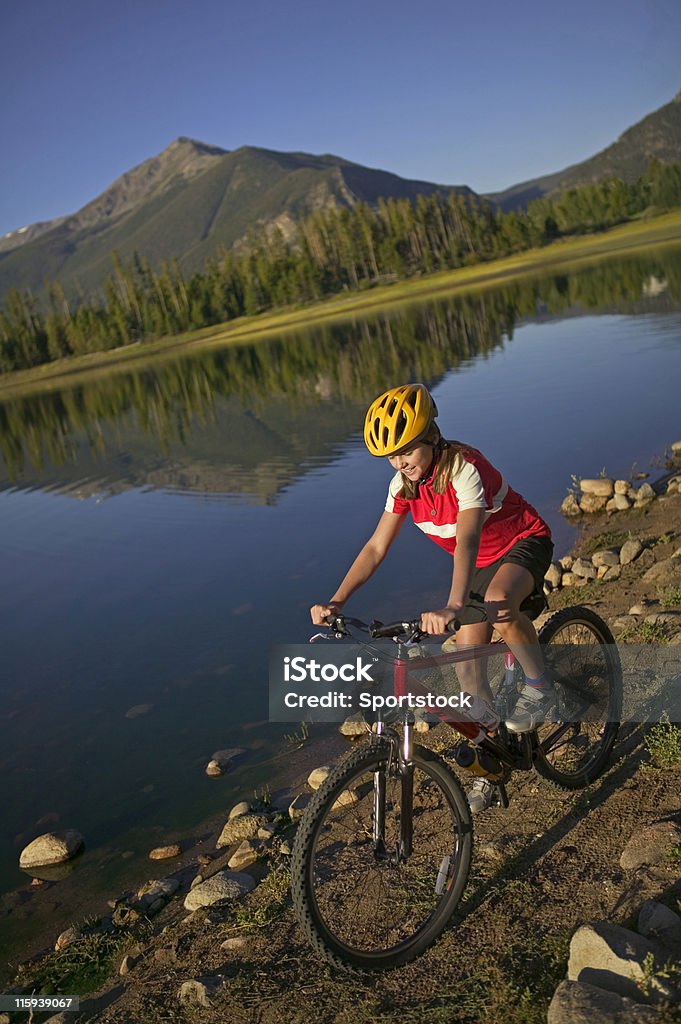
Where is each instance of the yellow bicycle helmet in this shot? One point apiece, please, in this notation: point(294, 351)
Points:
point(398, 419)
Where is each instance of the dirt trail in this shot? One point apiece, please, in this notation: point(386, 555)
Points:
point(547, 864)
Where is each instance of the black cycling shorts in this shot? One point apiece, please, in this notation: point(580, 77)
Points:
point(533, 553)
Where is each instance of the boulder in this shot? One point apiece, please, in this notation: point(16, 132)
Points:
point(621, 486)
point(676, 447)
point(659, 922)
point(244, 855)
point(650, 845)
point(570, 506)
point(644, 494)
point(200, 991)
point(662, 618)
point(605, 556)
point(318, 776)
point(621, 502)
point(664, 573)
point(165, 852)
point(575, 1002)
point(51, 848)
point(611, 506)
point(613, 573)
point(554, 574)
point(348, 798)
point(584, 568)
point(151, 896)
point(602, 487)
point(630, 551)
point(214, 770)
point(297, 806)
point(613, 958)
point(592, 502)
point(354, 725)
point(569, 579)
point(67, 938)
point(566, 562)
point(237, 829)
point(243, 807)
point(223, 887)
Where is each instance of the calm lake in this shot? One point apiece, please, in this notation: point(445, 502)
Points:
point(160, 530)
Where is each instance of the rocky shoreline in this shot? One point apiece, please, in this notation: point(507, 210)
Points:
point(627, 565)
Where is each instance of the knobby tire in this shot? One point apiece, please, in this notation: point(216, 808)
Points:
point(368, 913)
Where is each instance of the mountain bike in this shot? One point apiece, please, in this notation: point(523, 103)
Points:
point(383, 850)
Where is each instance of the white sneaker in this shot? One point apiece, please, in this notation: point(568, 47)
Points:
point(533, 707)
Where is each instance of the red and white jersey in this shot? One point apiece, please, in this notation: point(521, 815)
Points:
point(475, 483)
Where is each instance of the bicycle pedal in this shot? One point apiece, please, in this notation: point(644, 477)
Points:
point(501, 795)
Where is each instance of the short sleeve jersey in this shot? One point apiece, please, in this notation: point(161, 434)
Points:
point(475, 483)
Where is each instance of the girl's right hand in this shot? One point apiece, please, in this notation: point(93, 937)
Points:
point(319, 612)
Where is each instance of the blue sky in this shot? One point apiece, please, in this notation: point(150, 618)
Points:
point(484, 94)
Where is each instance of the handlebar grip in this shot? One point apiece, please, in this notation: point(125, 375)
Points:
point(453, 625)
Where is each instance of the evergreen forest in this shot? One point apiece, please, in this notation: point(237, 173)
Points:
point(334, 251)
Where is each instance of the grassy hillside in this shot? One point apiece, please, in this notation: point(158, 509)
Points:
point(657, 136)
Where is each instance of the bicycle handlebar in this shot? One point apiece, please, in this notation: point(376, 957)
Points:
point(406, 630)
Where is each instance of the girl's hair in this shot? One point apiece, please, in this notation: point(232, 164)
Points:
point(448, 463)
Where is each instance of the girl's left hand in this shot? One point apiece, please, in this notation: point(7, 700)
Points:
point(436, 622)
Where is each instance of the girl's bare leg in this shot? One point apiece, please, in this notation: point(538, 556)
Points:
point(507, 591)
point(472, 675)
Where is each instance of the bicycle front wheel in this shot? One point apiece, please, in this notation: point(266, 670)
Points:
point(582, 659)
point(359, 902)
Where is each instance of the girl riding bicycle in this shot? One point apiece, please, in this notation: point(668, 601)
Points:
point(501, 547)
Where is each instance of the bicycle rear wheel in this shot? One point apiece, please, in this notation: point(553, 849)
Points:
point(581, 656)
point(367, 908)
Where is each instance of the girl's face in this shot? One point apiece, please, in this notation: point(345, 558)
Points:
point(414, 463)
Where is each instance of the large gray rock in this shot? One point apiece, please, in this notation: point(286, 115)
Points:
point(613, 958)
point(200, 991)
point(570, 506)
point(656, 921)
point(650, 845)
point(602, 487)
point(151, 896)
point(585, 568)
point(621, 486)
point(606, 556)
point(644, 494)
point(224, 887)
point(244, 855)
point(318, 775)
point(630, 550)
point(52, 848)
point(237, 829)
point(354, 725)
point(297, 806)
point(664, 573)
point(575, 1002)
point(592, 502)
point(613, 572)
point(243, 807)
point(554, 574)
point(621, 502)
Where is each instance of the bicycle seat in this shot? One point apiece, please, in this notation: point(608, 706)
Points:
point(534, 605)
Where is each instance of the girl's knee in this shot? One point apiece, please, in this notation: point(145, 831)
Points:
point(500, 607)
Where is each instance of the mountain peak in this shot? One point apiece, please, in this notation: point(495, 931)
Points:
point(184, 142)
